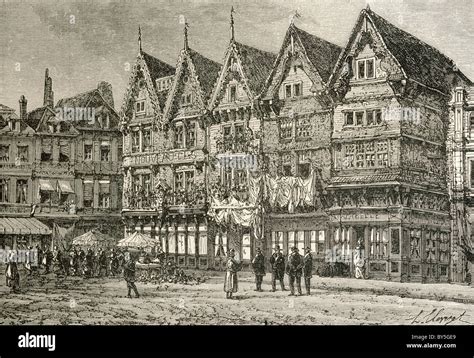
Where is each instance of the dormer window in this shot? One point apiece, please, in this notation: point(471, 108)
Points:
point(186, 99)
point(163, 84)
point(366, 68)
point(140, 106)
point(293, 90)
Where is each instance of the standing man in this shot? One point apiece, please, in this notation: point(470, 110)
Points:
point(129, 276)
point(278, 269)
point(231, 283)
point(294, 270)
point(258, 265)
point(49, 256)
point(102, 263)
point(307, 269)
point(12, 274)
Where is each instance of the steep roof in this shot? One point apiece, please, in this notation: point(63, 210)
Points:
point(256, 64)
point(156, 67)
point(420, 61)
point(34, 117)
point(207, 71)
point(322, 54)
point(79, 100)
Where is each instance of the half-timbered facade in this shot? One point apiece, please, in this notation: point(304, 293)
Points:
point(389, 189)
point(296, 126)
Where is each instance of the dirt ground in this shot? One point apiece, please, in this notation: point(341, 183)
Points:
point(77, 301)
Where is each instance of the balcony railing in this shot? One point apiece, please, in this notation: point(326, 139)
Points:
point(161, 199)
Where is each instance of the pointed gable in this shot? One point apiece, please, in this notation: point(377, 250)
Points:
point(317, 58)
point(146, 71)
point(34, 117)
point(253, 68)
point(194, 73)
point(401, 55)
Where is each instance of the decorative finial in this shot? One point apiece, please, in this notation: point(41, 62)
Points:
point(367, 7)
point(232, 23)
point(296, 15)
point(139, 39)
point(186, 25)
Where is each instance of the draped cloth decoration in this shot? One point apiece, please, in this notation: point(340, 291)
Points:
point(289, 192)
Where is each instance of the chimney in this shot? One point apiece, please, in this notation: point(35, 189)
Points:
point(48, 99)
point(105, 89)
point(23, 111)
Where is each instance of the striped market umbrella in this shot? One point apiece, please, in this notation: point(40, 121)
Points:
point(137, 239)
point(93, 238)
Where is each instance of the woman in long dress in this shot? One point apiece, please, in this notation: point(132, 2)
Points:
point(231, 282)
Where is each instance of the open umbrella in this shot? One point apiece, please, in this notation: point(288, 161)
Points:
point(93, 238)
point(137, 239)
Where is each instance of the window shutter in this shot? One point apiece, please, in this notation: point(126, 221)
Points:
point(114, 194)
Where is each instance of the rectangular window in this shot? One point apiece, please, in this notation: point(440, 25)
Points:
point(370, 68)
point(178, 181)
point(140, 106)
point(366, 68)
point(227, 131)
point(88, 191)
point(472, 173)
point(361, 69)
point(179, 136)
point(359, 118)
point(297, 90)
point(232, 93)
point(303, 127)
point(23, 153)
point(104, 194)
point(21, 191)
point(246, 247)
point(370, 118)
point(395, 242)
point(286, 128)
point(349, 119)
point(87, 151)
point(181, 244)
point(291, 239)
point(171, 243)
point(104, 152)
point(135, 141)
point(146, 139)
point(191, 135)
point(189, 181)
point(202, 243)
point(186, 99)
point(288, 91)
point(191, 244)
point(3, 190)
point(4, 153)
point(287, 170)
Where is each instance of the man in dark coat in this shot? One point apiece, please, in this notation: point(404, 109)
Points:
point(277, 261)
point(48, 261)
point(294, 270)
point(258, 265)
point(129, 276)
point(102, 264)
point(89, 266)
point(307, 269)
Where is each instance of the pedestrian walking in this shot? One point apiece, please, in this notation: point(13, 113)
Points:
point(277, 261)
point(258, 265)
point(129, 276)
point(294, 270)
point(231, 282)
point(307, 269)
point(12, 274)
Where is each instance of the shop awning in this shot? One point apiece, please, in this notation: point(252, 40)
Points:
point(65, 187)
point(46, 185)
point(23, 226)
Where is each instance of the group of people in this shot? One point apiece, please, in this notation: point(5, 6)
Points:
point(296, 267)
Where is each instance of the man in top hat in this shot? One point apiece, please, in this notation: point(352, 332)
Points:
point(307, 269)
point(258, 265)
point(277, 261)
point(294, 270)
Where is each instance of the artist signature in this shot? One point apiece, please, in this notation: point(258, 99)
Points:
point(438, 316)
